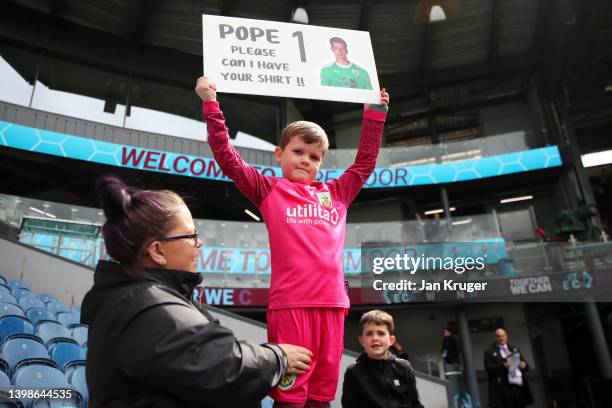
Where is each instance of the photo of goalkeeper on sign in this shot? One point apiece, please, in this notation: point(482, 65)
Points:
point(342, 72)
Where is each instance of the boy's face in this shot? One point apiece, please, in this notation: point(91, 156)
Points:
point(300, 161)
point(376, 340)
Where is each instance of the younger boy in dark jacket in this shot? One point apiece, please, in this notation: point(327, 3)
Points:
point(379, 379)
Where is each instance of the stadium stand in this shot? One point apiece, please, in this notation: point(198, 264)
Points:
point(52, 359)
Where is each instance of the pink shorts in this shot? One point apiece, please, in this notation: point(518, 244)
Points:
point(320, 330)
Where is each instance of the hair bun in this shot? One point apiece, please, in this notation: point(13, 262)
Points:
point(115, 196)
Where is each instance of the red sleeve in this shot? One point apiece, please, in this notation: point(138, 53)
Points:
point(347, 186)
point(248, 180)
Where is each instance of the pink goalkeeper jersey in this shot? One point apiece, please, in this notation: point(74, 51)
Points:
point(306, 223)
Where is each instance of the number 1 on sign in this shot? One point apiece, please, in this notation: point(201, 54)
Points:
point(300, 38)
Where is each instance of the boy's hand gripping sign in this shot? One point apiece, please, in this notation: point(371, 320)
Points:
point(292, 60)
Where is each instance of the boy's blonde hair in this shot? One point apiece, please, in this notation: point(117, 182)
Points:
point(379, 318)
point(309, 132)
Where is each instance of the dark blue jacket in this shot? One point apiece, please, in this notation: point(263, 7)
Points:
point(386, 383)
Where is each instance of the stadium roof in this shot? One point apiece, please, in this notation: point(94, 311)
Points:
point(485, 52)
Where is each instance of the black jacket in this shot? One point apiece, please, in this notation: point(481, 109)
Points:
point(150, 346)
point(450, 350)
point(386, 383)
point(501, 392)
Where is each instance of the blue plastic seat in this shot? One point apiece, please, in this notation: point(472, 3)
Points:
point(63, 352)
point(74, 402)
point(267, 402)
point(20, 348)
point(46, 297)
point(68, 318)
point(2, 279)
point(10, 309)
point(7, 298)
point(71, 366)
point(38, 314)
point(27, 303)
point(52, 331)
point(4, 380)
point(44, 377)
point(5, 289)
point(79, 333)
point(14, 284)
point(13, 325)
point(55, 307)
point(22, 292)
point(79, 383)
point(4, 367)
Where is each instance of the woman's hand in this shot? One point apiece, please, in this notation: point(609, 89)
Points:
point(298, 358)
point(206, 89)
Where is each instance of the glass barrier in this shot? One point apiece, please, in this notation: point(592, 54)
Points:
point(441, 153)
point(237, 254)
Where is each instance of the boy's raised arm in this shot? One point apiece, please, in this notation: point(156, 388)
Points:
point(347, 186)
point(248, 180)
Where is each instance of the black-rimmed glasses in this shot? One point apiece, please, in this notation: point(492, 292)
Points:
point(193, 236)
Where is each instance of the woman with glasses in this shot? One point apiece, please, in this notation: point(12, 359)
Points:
point(149, 345)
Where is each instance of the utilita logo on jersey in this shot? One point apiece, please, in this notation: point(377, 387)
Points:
point(312, 214)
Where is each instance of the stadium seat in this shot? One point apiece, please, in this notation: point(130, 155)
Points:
point(71, 403)
point(63, 352)
point(4, 367)
point(71, 366)
point(51, 332)
point(10, 309)
point(14, 284)
point(7, 298)
point(38, 314)
point(5, 289)
point(55, 307)
point(12, 404)
point(79, 333)
point(68, 318)
point(44, 377)
point(4, 380)
point(76, 309)
point(27, 303)
point(15, 325)
point(45, 297)
point(21, 348)
point(2, 279)
point(79, 383)
point(5, 384)
point(22, 292)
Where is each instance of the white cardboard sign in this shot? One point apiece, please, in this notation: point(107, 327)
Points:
point(290, 60)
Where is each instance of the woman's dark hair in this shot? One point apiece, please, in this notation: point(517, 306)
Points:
point(134, 217)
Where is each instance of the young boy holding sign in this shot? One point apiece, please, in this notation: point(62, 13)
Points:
point(306, 222)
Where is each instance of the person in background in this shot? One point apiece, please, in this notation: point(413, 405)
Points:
point(450, 349)
point(379, 379)
point(508, 387)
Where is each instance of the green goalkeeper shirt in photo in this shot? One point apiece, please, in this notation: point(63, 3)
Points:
point(351, 76)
